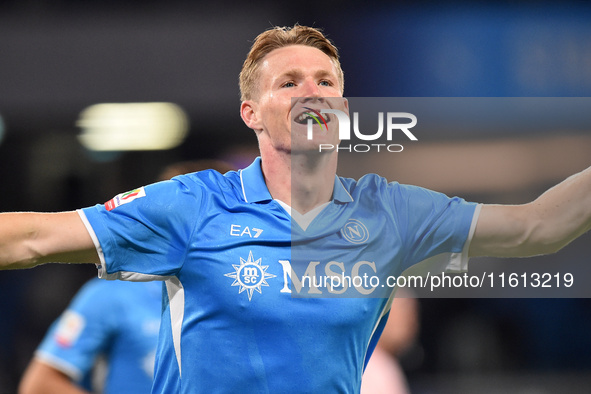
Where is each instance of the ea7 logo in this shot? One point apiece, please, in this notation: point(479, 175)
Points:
point(237, 230)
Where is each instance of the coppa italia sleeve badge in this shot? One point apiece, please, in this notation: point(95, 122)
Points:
point(124, 198)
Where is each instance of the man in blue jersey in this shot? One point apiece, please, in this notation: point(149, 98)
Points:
point(107, 346)
point(234, 250)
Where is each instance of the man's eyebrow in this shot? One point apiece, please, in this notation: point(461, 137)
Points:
point(290, 74)
point(297, 73)
point(325, 73)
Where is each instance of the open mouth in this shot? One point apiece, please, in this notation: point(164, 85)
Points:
point(314, 115)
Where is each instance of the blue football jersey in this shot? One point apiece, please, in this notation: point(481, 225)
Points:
point(246, 309)
point(112, 322)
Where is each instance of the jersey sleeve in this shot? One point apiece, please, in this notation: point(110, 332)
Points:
point(143, 234)
point(436, 229)
point(80, 334)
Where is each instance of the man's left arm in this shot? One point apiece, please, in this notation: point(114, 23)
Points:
point(542, 226)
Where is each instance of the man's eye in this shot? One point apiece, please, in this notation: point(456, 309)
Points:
point(325, 83)
point(288, 85)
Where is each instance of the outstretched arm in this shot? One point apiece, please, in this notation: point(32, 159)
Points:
point(542, 226)
point(29, 239)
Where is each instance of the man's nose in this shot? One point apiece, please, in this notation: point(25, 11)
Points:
point(311, 89)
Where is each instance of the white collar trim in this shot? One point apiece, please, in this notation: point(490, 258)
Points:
point(305, 219)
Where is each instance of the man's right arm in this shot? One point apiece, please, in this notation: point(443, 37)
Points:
point(30, 239)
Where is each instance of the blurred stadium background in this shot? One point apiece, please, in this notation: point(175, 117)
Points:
point(59, 58)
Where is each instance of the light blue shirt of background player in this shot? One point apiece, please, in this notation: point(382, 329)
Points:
point(105, 341)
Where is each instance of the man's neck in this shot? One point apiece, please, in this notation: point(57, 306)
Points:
point(303, 181)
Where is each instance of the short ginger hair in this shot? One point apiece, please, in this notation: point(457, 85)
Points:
point(279, 37)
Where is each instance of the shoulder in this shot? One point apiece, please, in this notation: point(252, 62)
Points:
point(184, 193)
point(374, 183)
point(377, 189)
point(207, 177)
point(206, 180)
point(365, 183)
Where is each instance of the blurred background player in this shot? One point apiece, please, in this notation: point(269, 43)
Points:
point(110, 348)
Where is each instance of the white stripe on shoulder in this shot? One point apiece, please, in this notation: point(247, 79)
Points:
point(242, 184)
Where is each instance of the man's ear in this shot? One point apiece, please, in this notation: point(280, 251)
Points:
point(248, 112)
point(345, 106)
